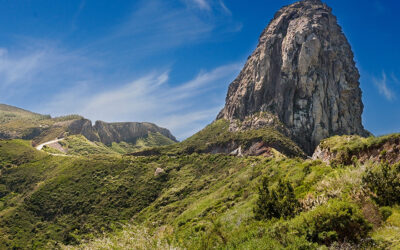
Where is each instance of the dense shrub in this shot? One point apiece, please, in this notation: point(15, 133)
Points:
point(335, 221)
point(3, 190)
point(384, 182)
point(277, 202)
point(386, 212)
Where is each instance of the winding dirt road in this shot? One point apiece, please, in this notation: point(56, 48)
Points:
point(40, 146)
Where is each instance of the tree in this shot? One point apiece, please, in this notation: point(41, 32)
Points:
point(384, 182)
point(277, 202)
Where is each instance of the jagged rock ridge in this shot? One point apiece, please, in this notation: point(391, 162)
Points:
point(303, 72)
point(108, 133)
point(16, 123)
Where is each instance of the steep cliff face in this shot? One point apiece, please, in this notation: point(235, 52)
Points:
point(83, 127)
point(108, 133)
point(127, 131)
point(303, 72)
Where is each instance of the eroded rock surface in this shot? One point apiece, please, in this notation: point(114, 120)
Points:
point(303, 72)
point(108, 133)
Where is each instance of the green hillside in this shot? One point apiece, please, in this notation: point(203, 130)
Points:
point(78, 145)
point(343, 149)
point(16, 123)
point(194, 201)
point(217, 136)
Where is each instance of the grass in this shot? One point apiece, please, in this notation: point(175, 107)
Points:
point(79, 145)
point(18, 123)
point(345, 147)
point(217, 135)
point(51, 150)
point(130, 237)
point(390, 231)
point(200, 201)
point(152, 140)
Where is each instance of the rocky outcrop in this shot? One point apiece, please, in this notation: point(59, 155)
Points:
point(16, 123)
point(303, 72)
point(127, 131)
point(108, 133)
point(387, 150)
point(83, 127)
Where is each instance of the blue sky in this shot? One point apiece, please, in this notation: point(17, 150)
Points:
point(170, 62)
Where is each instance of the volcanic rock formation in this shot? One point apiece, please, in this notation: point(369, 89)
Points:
point(303, 72)
point(108, 133)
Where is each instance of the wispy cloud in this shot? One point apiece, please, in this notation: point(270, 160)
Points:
point(209, 6)
point(382, 85)
point(202, 4)
point(224, 7)
point(155, 25)
point(14, 69)
point(40, 67)
point(183, 108)
point(97, 79)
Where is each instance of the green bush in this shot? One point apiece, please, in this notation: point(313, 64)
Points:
point(3, 190)
point(386, 212)
point(334, 221)
point(384, 182)
point(276, 203)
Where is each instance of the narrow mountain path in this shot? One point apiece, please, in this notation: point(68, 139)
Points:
point(40, 146)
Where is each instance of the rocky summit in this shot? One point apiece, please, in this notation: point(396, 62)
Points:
point(303, 72)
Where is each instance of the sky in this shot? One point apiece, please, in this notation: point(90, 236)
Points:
point(170, 62)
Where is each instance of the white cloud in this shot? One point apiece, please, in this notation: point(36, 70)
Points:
point(216, 6)
point(91, 79)
point(202, 4)
point(15, 69)
point(382, 85)
point(155, 25)
point(183, 108)
point(24, 72)
point(224, 8)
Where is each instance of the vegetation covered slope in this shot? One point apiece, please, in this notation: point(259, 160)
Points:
point(343, 149)
point(19, 123)
point(80, 145)
point(195, 201)
point(16, 123)
point(216, 138)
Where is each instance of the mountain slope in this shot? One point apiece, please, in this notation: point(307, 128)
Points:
point(17, 123)
point(217, 138)
point(196, 201)
point(344, 149)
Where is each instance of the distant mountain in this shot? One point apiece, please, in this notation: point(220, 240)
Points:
point(20, 123)
point(16, 123)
